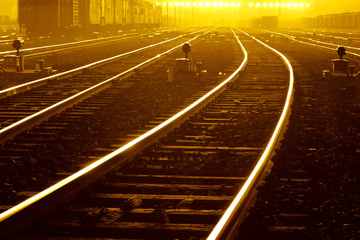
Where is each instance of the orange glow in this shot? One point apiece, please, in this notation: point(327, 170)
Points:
point(304, 8)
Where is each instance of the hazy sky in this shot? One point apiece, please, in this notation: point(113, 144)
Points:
point(318, 7)
point(9, 8)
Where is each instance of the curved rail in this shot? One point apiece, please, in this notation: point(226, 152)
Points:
point(14, 218)
point(237, 209)
point(25, 123)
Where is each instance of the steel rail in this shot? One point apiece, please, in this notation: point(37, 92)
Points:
point(315, 45)
point(23, 213)
point(31, 55)
point(26, 86)
point(318, 41)
point(236, 212)
point(110, 39)
point(113, 38)
point(332, 44)
point(324, 34)
point(28, 122)
point(5, 40)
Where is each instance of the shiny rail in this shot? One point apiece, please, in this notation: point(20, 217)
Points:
point(325, 34)
point(38, 82)
point(235, 213)
point(23, 87)
point(319, 42)
point(49, 47)
point(26, 123)
point(24, 212)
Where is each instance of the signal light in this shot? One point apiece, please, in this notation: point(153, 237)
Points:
point(17, 44)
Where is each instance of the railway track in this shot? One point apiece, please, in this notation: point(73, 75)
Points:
point(301, 198)
point(5, 42)
point(180, 185)
point(147, 89)
point(336, 37)
point(323, 43)
point(22, 110)
point(51, 49)
point(62, 57)
point(66, 46)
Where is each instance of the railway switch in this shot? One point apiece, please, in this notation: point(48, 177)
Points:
point(342, 71)
point(17, 44)
point(186, 49)
point(341, 52)
point(182, 65)
point(340, 67)
point(14, 65)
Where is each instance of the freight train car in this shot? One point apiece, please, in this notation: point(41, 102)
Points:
point(265, 22)
point(344, 20)
point(65, 17)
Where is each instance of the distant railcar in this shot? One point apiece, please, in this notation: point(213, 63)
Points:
point(350, 20)
point(265, 22)
point(327, 21)
point(58, 17)
point(356, 20)
point(344, 20)
point(269, 21)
